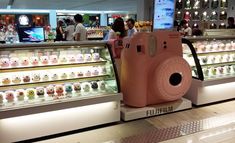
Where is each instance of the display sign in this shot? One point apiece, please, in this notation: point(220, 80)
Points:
point(164, 14)
point(24, 20)
point(31, 34)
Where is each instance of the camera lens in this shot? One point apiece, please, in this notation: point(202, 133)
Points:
point(175, 79)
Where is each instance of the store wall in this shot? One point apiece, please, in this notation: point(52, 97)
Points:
point(144, 10)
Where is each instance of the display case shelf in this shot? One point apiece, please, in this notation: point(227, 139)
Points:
point(215, 52)
point(216, 64)
point(44, 83)
point(47, 67)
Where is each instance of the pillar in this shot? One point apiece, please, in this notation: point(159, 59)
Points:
point(53, 20)
point(145, 10)
point(103, 19)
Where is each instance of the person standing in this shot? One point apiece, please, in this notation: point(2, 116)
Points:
point(59, 31)
point(231, 24)
point(185, 29)
point(118, 29)
point(80, 33)
point(131, 27)
point(69, 30)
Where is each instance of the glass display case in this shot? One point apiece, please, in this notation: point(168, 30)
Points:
point(212, 60)
point(57, 76)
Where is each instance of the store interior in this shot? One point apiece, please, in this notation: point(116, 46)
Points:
point(173, 80)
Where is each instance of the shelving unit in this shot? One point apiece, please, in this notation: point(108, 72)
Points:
point(217, 81)
point(85, 92)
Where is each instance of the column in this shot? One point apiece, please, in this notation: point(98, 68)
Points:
point(103, 19)
point(53, 20)
point(145, 10)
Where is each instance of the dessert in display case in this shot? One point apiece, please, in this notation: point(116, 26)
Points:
point(73, 81)
point(95, 33)
point(212, 59)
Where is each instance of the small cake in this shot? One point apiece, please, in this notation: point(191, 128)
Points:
point(215, 47)
point(204, 60)
point(80, 58)
point(206, 71)
point(53, 59)
point(63, 59)
point(80, 74)
point(44, 60)
point(14, 62)
point(16, 79)
point(212, 59)
point(208, 47)
point(45, 77)
point(59, 90)
point(103, 70)
point(68, 88)
point(232, 57)
point(233, 45)
point(34, 61)
point(1, 97)
point(36, 77)
point(25, 61)
point(55, 76)
point(221, 70)
point(6, 80)
point(228, 46)
point(77, 87)
point(94, 85)
point(72, 59)
point(95, 71)
point(50, 90)
point(30, 93)
point(40, 92)
point(88, 57)
point(5, 62)
point(222, 46)
point(63, 76)
point(26, 78)
point(202, 48)
point(228, 69)
point(20, 94)
point(9, 96)
point(96, 56)
point(213, 71)
point(102, 85)
point(72, 75)
point(86, 87)
point(88, 73)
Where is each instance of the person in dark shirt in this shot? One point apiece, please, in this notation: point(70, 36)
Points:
point(231, 24)
point(59, 31)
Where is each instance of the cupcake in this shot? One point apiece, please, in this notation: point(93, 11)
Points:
point(26, 78)
point(228, 69)
point(102, 85)
point(55, 76)
point(20, 94)
point(205, 71)
point(45, 77)
point(72, 59)
point(222, 46)
point(208, 47)
point(50, 90)
point(80, 74)
point(94, 85)
point(9, 96)
point(86, 87)
point(96, 56)
point(63, 76)
point(34, 61)
point(88, 73)
point(63, 59)
point(44, 60)
point(59, 89)
point(88, 57)
point(53, 59)
point(30, 93)
point(72, 75)
point(221, 70)
point(6, 80)
point(16, 79)
point(95, 71)
point(14, 62)
point(215, 47)
point(103, 70)
point(40, 92)
point(213, 71)
point(80, 58)
point(77, 87)
point(202, 48)
point(36, 77)
point(228, 46)
point(68, 88)
point(25, 61)
point(5, 62)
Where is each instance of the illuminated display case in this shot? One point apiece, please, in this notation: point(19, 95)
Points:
point(66, 78)
point(212, 59)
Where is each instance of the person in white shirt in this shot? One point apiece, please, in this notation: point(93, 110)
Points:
point(69, 30)
point(131, 27)
point(80, 33)
point(185, 29)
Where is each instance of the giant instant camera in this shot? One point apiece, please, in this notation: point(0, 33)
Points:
point(153, 70)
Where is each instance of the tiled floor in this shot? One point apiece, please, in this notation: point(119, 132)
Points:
point(212, 123)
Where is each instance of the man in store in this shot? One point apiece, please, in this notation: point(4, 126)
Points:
point(185, 30)
point(80, 33)
point(131, 27)
point(231, 24)
point(69, 30)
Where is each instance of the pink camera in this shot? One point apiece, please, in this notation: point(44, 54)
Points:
point(153, 70)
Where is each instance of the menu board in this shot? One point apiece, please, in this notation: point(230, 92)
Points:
point(164, 14)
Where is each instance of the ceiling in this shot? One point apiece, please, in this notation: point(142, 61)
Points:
point(96, 5)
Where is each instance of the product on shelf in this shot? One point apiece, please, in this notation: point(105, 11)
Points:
point(14, 62)
point(77, 87)
point(44, 60)
point(34, 61)
point(20, 94)
point(80, 58)
point(36, 77)
point(95, 71)
point(50, 90)
point(16, 79)
point(86, 87)
point(40, 92)
point(55, 76)
point(72, 59)
point(53, 59)
point(68, 88)
point(45, 77)
point(88, 73)
point(59, 89)
point(72, 75)
point(63, 59)
point(1, 97)
point(6, 80)
point(96, 56)
point(80, 74)
point(103, 70)
point(102, 85)
point(64, 76)
point(30, 93)
point(94, 85)
point(9, 96)
point(88, 57)
point(24, 61)
point(5, 62)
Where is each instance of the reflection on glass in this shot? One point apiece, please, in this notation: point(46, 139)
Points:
point(222, 26)
point(196, 4)
point(214, 15)
point(223, 15)
point(224, 3)
point(214, 4)
point(205, 4)
point(213, 26)
point(196, 15)
point(179, 4)
point(188, 4)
